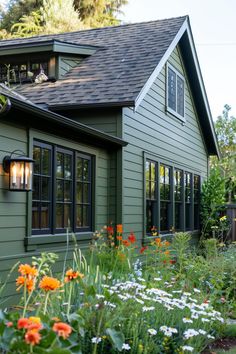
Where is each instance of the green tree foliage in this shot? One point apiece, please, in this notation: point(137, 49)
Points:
point(225, 127)
point(23, 17)
point(99, 13)
point(54, 16)
point(212, 203)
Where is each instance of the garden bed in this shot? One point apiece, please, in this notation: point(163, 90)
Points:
point(163, 298)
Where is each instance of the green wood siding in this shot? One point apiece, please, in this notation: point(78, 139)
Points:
point(65, 64)
point(151, 130)
point(15, 207)
point(110, 122)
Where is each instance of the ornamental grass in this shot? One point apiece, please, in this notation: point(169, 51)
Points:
point(158, 298)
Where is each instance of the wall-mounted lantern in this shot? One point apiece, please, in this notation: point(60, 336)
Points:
point(20, 169)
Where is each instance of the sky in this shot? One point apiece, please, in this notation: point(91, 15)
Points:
point(213, 24)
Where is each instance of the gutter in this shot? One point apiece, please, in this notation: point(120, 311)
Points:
point(63, 107)
point(65, 122)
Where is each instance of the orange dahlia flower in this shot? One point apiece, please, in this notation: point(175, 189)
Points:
point(119, 228)
point(158, 241)
point(30, 283)
point(26, 269)
point(23, 323)
point(126, 243)
point(32, 337)
point(72, 275)
point(119, 238)
point(62, 329)
point(49, 283)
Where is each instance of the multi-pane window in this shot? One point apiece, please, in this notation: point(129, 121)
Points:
point(62, 194)
point(196, 193)
point(64, 175)
point(172, 198)
point(42, 188)
point(83, 191)
point(151, 194)
point(178, 197)
point(188, 199)
point(19, 72)
point(165, 198)
point(175, 91)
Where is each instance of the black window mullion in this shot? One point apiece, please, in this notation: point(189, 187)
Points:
point(172, 197)
point(42, 176)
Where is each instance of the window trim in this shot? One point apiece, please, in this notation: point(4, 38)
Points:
point(168, 109)
point(52, 231)
point(184, 168)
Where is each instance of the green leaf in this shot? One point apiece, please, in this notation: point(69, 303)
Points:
point(117, 338)
point(59, 351)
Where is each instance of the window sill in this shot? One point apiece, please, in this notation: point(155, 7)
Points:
point(175, 114)
point(32, 242)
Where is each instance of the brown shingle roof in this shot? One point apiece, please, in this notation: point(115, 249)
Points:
point(115, 73)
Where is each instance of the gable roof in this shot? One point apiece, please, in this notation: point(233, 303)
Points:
point(125, 62)
point(115, 73)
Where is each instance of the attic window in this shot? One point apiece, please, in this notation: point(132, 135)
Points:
point(175, 92)
point(22, 71)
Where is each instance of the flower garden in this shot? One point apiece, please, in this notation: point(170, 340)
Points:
point(119, 298)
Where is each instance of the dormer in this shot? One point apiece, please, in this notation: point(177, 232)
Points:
point(24, 61)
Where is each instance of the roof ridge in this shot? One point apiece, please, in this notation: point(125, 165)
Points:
point(55, 35)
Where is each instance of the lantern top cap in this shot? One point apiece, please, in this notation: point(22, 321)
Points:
point(21, 158)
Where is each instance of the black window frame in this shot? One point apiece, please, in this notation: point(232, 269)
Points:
point(178, 202)
point(156, 217)
point(151, 200)
point(166, 204)
point(196, 201)
point(52, 229)
point(176, 111)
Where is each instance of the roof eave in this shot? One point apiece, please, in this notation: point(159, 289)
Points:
point(67, 123)
point(184, 29)
point(74, 106)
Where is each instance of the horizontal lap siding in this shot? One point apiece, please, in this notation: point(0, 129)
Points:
point(150, 129)
point(109, 123)
point(13, 205)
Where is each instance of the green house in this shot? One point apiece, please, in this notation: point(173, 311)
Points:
point(119, 127)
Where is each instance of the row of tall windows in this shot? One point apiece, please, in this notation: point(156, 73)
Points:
point(172, 198)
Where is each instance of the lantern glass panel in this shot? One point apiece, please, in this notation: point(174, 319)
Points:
point(28, 175)
point(15, 175)
point(20, 175)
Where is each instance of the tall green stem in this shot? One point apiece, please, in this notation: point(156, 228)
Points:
point(69, 298)
point(98, 332)
point(46, 303)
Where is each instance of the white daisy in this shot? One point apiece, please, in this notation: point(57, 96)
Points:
point(187, 348)
point(126, 346)
point(187, 320)
point(152, 331)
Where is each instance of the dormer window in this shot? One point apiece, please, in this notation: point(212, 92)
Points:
point(22, 71)
point(175, 92)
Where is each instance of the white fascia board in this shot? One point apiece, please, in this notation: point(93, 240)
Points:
point(160, 65)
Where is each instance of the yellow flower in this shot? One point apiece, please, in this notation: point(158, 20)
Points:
point(35, 319)
point(223, 218)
